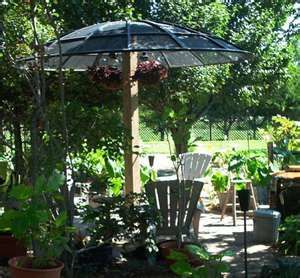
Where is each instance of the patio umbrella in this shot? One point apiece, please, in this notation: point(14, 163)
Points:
point(129, 41)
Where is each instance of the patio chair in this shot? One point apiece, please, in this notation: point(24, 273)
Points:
point(194, 165)
point(165, 197)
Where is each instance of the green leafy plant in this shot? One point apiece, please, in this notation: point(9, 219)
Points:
point(284, 133)
point(289, 239)
point(240, 165)
point(198, 262)
point(36, 220)
point(129, 218)
point(250, 165)
point(219, 181)
point(106, 173)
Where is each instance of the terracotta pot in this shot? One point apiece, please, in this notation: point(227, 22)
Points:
point(10, 247)
point(23, 272)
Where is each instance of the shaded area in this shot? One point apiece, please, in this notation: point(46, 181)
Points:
point(220, 236)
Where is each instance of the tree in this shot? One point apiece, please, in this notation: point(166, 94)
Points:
point(248, 88)
point(178, 102)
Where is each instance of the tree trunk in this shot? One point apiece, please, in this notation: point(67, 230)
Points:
point(2, 147)
point(34, 158)
point(19, 161)
point(227, 126)
point(181, 136)
point(210, 130)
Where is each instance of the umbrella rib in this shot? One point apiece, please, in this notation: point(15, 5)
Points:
point(166, 59)
point(198, 58)
point(123, 35)
point(75, 48)
point(208, 36)
point(180, 43)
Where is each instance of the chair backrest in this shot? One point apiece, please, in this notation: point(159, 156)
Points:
point(194, 165)
point(164, 195)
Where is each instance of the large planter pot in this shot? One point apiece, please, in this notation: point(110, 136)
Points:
point(23, 272)
point(10, 247)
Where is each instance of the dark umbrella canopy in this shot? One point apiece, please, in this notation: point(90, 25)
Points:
point(172, 45)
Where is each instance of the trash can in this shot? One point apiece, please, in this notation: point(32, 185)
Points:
point(266, 223)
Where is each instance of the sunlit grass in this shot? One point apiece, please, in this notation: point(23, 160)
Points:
point(206, 146)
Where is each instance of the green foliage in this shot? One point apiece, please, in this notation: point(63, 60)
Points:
point(289, 237)
point(251, 165)
point(37, 224)
point(210, 265)
point(219, 181)
point(106, 173)
point(285, 133)
point(129, 218)
point(252, 91)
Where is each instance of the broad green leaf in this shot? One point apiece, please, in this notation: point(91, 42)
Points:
point(177, 256)
point(55, 181)
point(61, 219)
point(228, 253)
point(21, 192)
point(40, 184)
point(182, 268)
point(109, 165)
point(199, 251)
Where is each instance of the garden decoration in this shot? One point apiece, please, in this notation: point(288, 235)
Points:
point(107, 76)
point(168, 44)
point(150, 72)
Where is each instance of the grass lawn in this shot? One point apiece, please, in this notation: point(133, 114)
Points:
point(206, 146)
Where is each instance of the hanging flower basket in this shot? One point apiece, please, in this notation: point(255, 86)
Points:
point(108, 77)
point(150, 72)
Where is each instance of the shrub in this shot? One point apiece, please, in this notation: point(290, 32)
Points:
point(289, 239)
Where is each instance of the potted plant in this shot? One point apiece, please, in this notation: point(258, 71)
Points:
point(129, 219)
point(38, 224)
point(198, 262)
point(150, 72)
point(109, 77)
point(220, 183)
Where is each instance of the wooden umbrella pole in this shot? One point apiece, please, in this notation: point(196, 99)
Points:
point(131, 123)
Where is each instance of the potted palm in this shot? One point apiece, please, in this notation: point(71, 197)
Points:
point(39, 226)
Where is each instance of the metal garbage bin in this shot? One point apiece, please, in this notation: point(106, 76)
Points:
point(266, 224)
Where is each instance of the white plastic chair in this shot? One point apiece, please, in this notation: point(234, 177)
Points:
point(194, 165)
